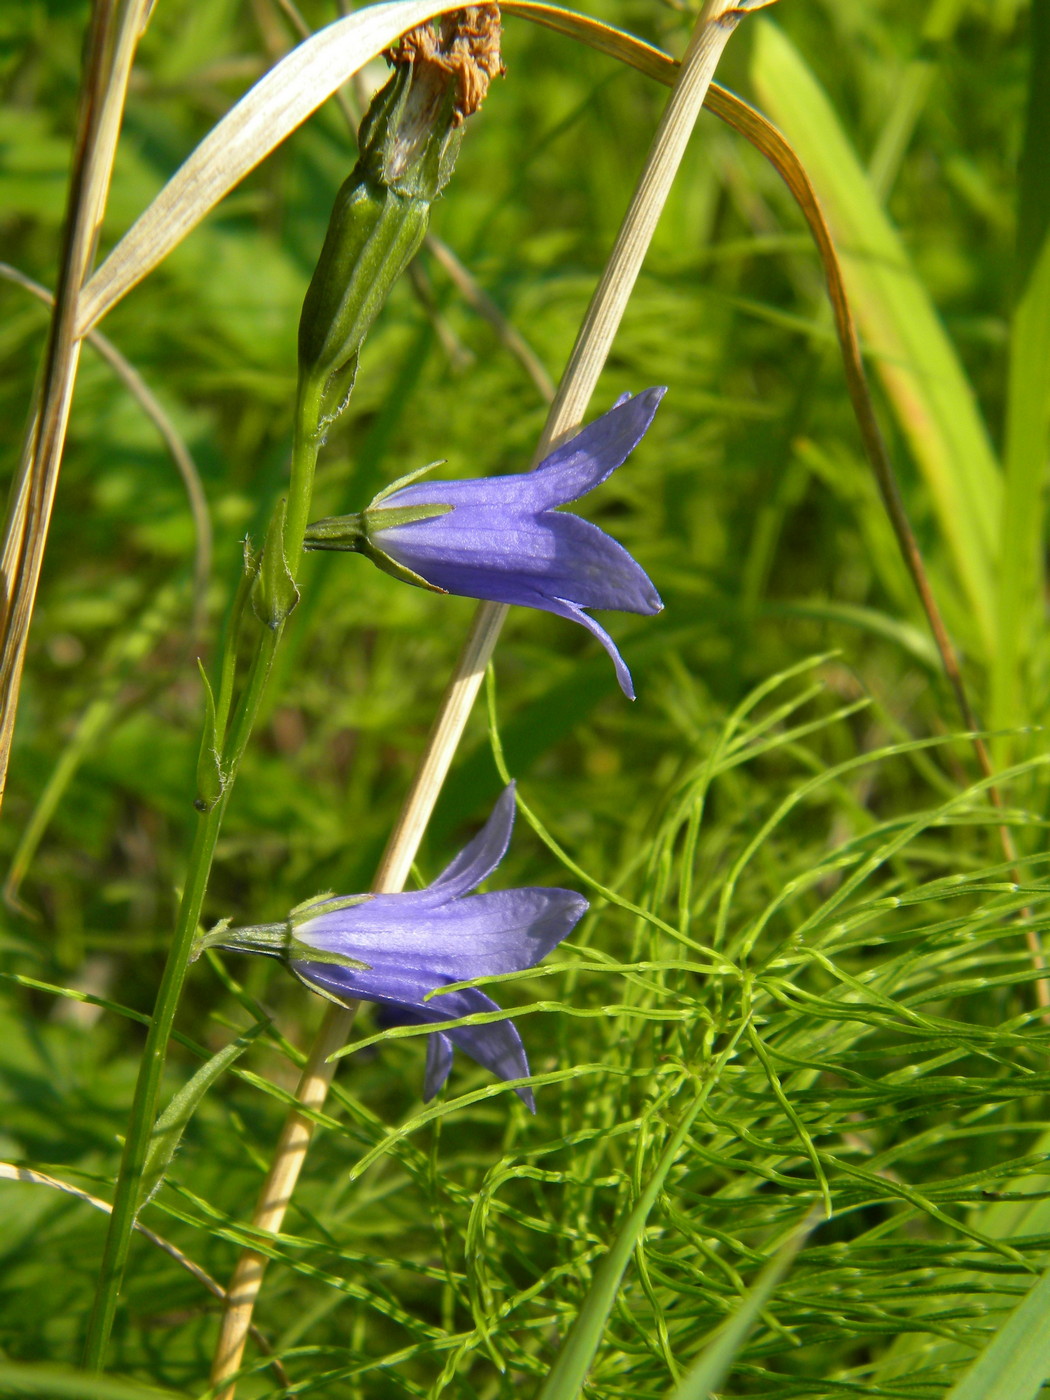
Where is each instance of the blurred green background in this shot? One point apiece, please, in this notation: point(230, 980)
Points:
point(467, 1245)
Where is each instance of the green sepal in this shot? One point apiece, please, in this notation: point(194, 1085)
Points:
point(403, 481)
point(303, 913)
point(211, 780)
point(392, 516)
point(337, 532)
point(336, 394)
point(320, 991)
point(274, 594)
point(273, 941)
point(374, 234)
point(408, 144)
point(305, 952)
point(383, 561)
point(354, 534)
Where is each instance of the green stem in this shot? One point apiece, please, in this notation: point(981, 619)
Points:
point(126, 1200)
point(308, 441)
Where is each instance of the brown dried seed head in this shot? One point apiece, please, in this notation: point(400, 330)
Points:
point(465, 47)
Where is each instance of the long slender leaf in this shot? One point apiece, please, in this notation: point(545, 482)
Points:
point(172, 1123)
point(569, 1371)
point(268, 113)
point(713, 1367)
point(18, 1379)
point(1016, 1362)
point(931, 395)
point(1020, 602)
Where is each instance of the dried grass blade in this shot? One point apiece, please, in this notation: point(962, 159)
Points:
point(253, 128)
point(926, 385)
point(772, 144)
point(10, 1172)
point(115, 29)
point(179, 452)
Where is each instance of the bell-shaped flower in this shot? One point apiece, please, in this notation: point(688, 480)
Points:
point(501, 538)
point(397, 949)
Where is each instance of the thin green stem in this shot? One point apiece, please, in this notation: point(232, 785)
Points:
point(147, 1091)
point(308, 442)
point(231, 744)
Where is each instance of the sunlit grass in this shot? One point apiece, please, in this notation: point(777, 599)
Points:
point(801, 916)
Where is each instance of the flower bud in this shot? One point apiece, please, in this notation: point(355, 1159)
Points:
point(408, 144)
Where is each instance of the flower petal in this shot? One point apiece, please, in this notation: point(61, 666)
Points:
point(475, 863)
point(594, 570)
point(412, 947)
point(578, 465)
point(486, 552)
point(439, 1064)
point(496, 1046)
point(587, 459)
point(479, 858)
point(564, 608)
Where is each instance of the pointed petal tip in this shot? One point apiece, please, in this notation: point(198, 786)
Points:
point(439, 1064)
point(527, 1097)
point(650, 400)
point(479, 858)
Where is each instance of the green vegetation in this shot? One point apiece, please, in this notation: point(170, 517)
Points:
point(808, 953)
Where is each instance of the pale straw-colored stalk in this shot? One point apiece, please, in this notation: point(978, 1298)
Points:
point(714, 26)
point(116, 26)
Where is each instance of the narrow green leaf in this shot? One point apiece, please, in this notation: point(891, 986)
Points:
point(172, 1123)
point(931, 396)
point(1016, 1362)
point(18, 1379)
point(1020, 600)
point(717, 1357)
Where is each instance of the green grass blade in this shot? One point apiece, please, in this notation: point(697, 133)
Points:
point(1016, 1362)
point(930, 393)
point(717, 1357)
point(18, 1379)
point(172, 1123)
point(1020, 605)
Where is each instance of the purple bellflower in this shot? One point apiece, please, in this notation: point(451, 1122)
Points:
point(501, 537)
point(395, 949)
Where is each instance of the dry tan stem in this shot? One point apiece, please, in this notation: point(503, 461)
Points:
point(115, 29)
point(716, 23)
